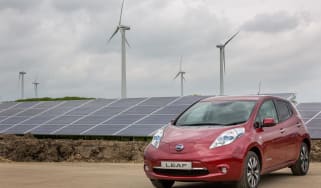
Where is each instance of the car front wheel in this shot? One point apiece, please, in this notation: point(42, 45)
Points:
point(162, 183)
point(301, 167)
point(251, 172)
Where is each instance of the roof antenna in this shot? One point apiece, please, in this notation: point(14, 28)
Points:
point(259, 89)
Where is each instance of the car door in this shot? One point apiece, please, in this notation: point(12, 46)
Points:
point(270, 136)
point(288, 126)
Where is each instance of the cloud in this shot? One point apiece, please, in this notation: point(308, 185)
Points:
point(64, 45)
point(18, 4)
point(272, 23)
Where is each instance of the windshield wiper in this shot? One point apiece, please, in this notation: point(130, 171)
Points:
point(200, 124)
point(236, 123)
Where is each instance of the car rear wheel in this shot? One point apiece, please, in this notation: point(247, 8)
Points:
point(251, 172)
point(162, 183)
point(301, 167)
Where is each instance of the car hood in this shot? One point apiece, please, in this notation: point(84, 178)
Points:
point(192, 134)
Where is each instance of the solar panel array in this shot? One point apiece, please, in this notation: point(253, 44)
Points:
point(111, 117)
point(311, 114)
point(100, 117)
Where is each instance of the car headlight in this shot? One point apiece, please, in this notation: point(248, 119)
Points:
point(227, 137)
point(157, 138)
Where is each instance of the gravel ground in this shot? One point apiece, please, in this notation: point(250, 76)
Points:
point(124, 175)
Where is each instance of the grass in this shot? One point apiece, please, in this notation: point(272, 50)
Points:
point(53, 99)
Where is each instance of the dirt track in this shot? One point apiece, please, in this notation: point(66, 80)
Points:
point(106, 175)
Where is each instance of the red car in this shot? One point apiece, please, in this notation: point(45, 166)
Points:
point(229, 139)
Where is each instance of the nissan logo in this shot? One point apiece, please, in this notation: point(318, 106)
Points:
point(179, 147)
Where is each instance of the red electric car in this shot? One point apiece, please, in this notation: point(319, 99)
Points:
point(229, 139)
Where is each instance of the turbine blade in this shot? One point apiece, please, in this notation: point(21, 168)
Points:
point(117, 29)
point(229, 40)
point(121, 12)
point(127, 42)
point(177, 75)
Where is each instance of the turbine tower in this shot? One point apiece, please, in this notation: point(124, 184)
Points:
point(222, 62)
point(35, 83)
point(21, 79)
point(181, 74)
point(122, 29)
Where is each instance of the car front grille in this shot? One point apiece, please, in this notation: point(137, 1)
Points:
point(175, 172)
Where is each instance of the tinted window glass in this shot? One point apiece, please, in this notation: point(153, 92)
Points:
point(284, 111)
point(267, 110)
point(217, 113)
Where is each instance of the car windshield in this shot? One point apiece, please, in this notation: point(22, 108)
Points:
point(217, 113)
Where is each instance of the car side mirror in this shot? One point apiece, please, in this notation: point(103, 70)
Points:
point(268, 122)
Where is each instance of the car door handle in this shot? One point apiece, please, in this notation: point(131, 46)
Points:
point(282, 130)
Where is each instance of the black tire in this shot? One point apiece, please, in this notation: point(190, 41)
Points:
point(251, 172)
point(301, 166)
point(162, 183)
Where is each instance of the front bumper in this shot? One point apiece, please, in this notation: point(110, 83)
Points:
point(219, 164)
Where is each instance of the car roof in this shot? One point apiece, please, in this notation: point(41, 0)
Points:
point(240, 98)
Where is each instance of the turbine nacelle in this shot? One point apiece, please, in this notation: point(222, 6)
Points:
point(220, 46)
point(123, 27)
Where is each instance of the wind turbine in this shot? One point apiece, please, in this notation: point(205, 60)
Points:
point(181, 73)
point(122, 29)
point(35, 83)
point(222, 62)
point(21, 78)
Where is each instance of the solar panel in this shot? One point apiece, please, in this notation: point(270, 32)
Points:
point(172, 109)
point(72, 104)
point(20, 129)
point(14, 120)
point(140, 130)
point(6, 105)
point(3, 127)
point(108, 111)
point(158, 101)
point(105, 129)
point(92, 120)
point(31, 112)
point(127, 102)
point(64, 120)
point(73, 130)
point(315, 133)
point(45, 129)
point(314, 123)
point(48, 104)
point(309, 106)
point(38, 120)
point(90, 107)
point(308, 114)
point(157, 119)
point(124, 119)
point(119, 117)
point(11, 112)
point(142, 110)
point(26, 104)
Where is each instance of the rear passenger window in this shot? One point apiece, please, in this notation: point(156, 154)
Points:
point(284, 110)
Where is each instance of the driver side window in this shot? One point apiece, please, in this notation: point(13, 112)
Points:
point(267, 110)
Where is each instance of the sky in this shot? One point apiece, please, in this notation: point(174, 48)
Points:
point(64, 46)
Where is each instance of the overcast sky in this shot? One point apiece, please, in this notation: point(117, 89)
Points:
point(64, 45)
